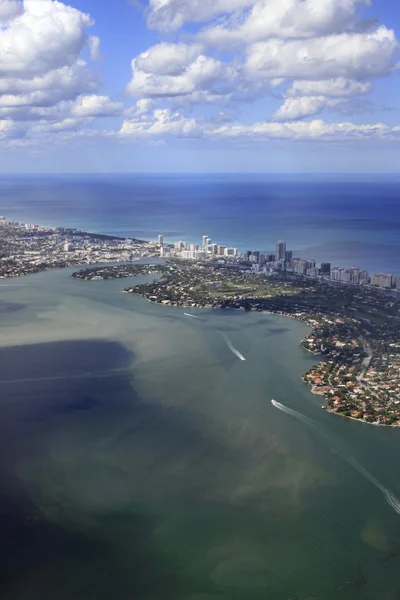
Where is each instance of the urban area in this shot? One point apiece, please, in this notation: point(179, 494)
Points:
point(27, 249)
point(354, 317)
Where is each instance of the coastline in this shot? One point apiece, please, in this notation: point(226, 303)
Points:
point(314, 389)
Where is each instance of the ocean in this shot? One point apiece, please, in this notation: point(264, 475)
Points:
point(351, 221)
point(141, 459)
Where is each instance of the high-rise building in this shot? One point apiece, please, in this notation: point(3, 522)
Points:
point(383, 280)
point(281, 250)
point(289, 256)
point(326, 268)
point(160, 240)
point(180, 246)
point(206, 241)
point(221, 250)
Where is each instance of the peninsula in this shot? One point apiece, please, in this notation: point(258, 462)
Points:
point(355, 329)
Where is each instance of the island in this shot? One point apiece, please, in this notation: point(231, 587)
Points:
point(354, 329)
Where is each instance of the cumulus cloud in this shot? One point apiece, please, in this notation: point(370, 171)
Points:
point(305, 106)
point(339, 87)
point(96, 106)
point(49, 88)
point(164, 123)
point(308, 98)
point(6, 126)
point(321, 48)
point(169, 70)
point(170, 15)
point(94, 47)
point(159, 124)
point(286, 19)
point(48, 35)
point(45, 84)
point(168, 59)
point(357, 55)
point(10, 9)
point(308, 131)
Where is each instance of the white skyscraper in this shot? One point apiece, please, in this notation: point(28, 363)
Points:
point(160, 240)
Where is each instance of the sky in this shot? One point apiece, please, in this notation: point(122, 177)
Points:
point(176, 86)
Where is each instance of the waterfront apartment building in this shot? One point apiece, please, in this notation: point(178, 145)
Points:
point(193, 254)
point(160, 240)
point(180, 246)
point(281, 250)
point(382, 280)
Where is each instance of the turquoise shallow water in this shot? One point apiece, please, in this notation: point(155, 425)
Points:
point(141, 459)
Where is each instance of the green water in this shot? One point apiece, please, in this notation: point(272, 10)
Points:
point(149, 463)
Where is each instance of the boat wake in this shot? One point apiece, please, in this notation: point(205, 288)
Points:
point(390, 498)
point(232, 347)
point(192, 316)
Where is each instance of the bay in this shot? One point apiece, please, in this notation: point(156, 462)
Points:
point(139, 458)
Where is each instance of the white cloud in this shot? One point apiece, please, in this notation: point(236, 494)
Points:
point(10, 9)
point(49, 88)
point(6, 126)
point(307, 131)
point(286, 19)
point(357, 55)
point(161, 123)
point(94, 47)
point(169, 15)
point(339, 87)
point(308, 98)
point(142, 107)
point(165, 123)
point(96, 106)
point(168, 59)
point(304, 106)
point(169, 70)
point(48, 35)
point(45, 85)
point(319, 46)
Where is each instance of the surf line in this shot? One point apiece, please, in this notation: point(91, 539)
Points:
point(232, 347)
point(387, 494)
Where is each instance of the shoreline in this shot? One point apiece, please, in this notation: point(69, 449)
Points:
point(288, 316)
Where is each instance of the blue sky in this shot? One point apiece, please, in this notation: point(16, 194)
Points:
point(199, 86)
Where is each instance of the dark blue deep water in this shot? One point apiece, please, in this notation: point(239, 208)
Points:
point(351, 221)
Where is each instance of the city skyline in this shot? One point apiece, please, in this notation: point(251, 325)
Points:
point(283, 260)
